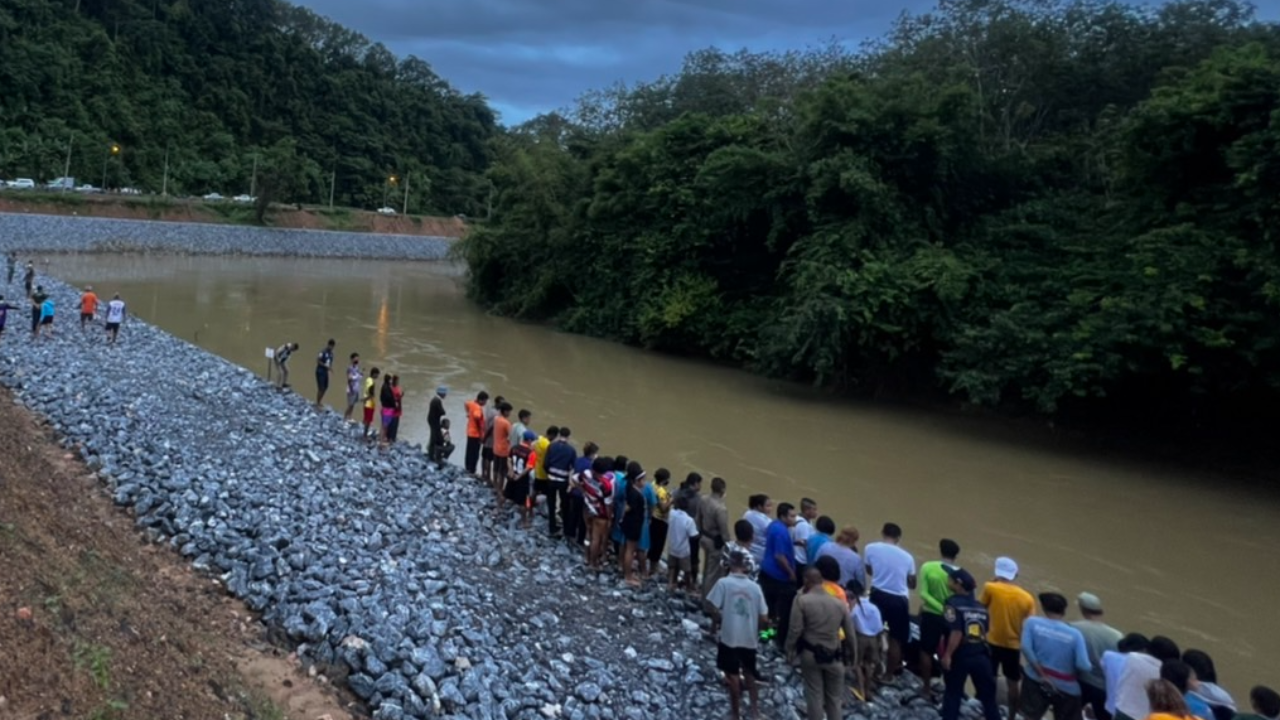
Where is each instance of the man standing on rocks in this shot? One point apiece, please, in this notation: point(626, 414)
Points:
point(1053, 655)
point(29, 277)
point(115, 317)
point(354, 378)
point(736, 604)
point(88, 307)
point(370, 403)
point(893, 576)
point(559, 463)
point(777, 569)
point(281, 357)
point(475, 430)
point(935, 588)
point(501, 451)
point(324, 369)
point(691, 491)
point(803, 530)
point(486, 450)
point(1099, 638)
point(964, 656)
point(11, 261)
point(435, 414)
point(714, 532)
point(1010, 606)
point(814, 643)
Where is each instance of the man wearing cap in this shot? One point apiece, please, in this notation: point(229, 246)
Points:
point(736, 604)
point(964, 655)
point(1099, 637)
point(1010, 606)
point(435, 413)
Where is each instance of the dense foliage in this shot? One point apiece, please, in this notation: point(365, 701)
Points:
point(1019, 202)
point(222, 86)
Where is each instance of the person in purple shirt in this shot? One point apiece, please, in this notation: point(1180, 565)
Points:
point(778, 572)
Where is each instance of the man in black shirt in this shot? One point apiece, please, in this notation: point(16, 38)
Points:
point(559, 464)
point(966, 656)
point(434, 415)
point(324, 368)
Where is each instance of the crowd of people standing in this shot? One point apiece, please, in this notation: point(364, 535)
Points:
point(784, 581)
point(42, 305)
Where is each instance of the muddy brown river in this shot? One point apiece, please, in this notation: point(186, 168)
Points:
point(1189, 555)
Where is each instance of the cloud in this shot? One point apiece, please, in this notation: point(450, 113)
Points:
point(531, 56)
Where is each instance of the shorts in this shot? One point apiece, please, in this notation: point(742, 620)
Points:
point(322, 379)
point(500, 466)
point(632, 527)
point(897, 615)
point(933, 628)
point(46, 320)
point(680, 564)
point(869, 653)
point(517, 490)
point(387, 417)
point(368, 416)
point(487, 453)
point(86, 317)
point(736, 661)
point(542, 487)
point(1006, 661)
point(353, 398)
point(113, 327)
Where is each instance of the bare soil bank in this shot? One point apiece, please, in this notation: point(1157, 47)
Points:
point(96, 623)
point(280, 216)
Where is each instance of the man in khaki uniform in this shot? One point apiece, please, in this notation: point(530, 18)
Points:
point(713, 533)
point(814, 642)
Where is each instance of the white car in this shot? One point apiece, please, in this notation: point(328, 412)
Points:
point(22, 184)
point(386, 211)
point(213, 197)
point(86, 188)
point(244, 198)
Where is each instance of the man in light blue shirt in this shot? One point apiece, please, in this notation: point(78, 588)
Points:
point(1054, 655)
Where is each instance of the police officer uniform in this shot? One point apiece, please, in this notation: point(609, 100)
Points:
point(970, 661)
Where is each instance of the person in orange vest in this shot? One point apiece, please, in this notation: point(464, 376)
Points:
point(475, 430)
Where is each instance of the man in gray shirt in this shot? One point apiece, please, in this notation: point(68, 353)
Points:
point(737, 604)
point(1099, 637)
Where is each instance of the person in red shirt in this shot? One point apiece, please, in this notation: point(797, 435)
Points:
point(475, 430)
point(88, 306)
point(519, 486)
point(501, 450)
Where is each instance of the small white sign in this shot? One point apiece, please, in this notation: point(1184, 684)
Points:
point(271, 354)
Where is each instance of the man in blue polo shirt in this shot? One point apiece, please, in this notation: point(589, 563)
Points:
point(778, 571)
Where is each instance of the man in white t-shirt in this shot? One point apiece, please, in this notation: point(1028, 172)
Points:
point(737, 604)
point(680, 530)
point(802, 531)
point(115, 316)
point(893, 577)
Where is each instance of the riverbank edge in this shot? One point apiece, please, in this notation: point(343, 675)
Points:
point(26, 234)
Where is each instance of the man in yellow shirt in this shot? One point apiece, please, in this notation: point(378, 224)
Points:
point(541, 482)
point(1009, 607)
point(370, 400)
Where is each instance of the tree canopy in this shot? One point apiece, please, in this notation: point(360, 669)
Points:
point(1041, 204)
point(219, 86)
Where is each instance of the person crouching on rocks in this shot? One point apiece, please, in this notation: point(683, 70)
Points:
point(281, 357)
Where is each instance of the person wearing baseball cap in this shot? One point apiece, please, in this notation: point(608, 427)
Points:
point(1010, 606)
point(964, 655)
point(1099, 637)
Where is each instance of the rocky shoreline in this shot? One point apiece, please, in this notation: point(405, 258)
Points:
point(383, 571)
point(64, 234)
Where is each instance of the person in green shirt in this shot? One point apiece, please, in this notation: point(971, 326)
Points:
point(934, 591)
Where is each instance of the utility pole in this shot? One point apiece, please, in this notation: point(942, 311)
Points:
point(164, 192)
point(333, 181)
point(66, 173)
point(253, 183)
point(406, 195)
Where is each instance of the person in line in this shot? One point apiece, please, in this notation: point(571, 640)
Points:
point(11, 261)
point(435, 420)
point(523, 418)
point(447, 448)
point(475, 430)
point(519, 485)
point(370, 403)
point(650, 501)
point(1265, 703)
point(829, 569)
point(935, 588)
point(1054, 656)
point(29, 278)
point(964, 655)
point(578, 530)
point(679, 561)
point(842, 551)
point(1113, 664)
point(869, 624)
point(619, 499)
point(397, 410)
point(743, 533)
point(387, 399)
point(661, 518)
point(45, 309)
point(355, 377)
point(1183, 677)
point(1207, 688)
point(88, 307)
point(758, 509)
point(1099, 638)
point(597, 493)
point(1166, 702)
point(802, 531)
point(324, 371)
point(37, 299)
point(501, 451)
point(691, 491)
point(1139, 669)
point(893, 576)
point(280, 357)
point(559, 463)
point(824, 531)
point(1010, 606)
point(814, 643)
point(115, 318)
point(738, 609)
point(713, 532)
point(542, 485)
point(777, 571)
point(486, 447)
point(633, 511)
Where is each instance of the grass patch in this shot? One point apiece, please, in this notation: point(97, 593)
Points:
point(110, 710)
point(96, 660)
point(69, 198)
point(337, 218)
point(234, 213)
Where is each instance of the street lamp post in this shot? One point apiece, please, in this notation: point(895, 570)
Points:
point(405, 211)
point(386, 189)
point(112, 150)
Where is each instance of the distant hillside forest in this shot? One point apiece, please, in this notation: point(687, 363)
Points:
point(1043, 206)
point(223, 85)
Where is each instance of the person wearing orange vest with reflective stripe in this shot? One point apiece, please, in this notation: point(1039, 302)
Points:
point(475, 430)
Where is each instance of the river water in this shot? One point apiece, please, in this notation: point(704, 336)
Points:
point(1186, 554)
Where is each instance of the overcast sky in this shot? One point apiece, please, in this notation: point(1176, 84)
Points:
point(531, 56)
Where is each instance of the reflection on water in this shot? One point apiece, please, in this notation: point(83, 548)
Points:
point(1170, 553)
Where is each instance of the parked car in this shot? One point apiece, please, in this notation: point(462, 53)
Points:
point(62, 183)
point(213, 197)
point(244, 198)
point(386, 211)
point(22, 184)
point(130, 191)
point(87, 188)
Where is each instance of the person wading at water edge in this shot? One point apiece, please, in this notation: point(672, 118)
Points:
point(475, 431)
point(736, 605)
point(88, 307)
point(814, 633)
point(559, 463)
point(435, 416)
point(324, 369)
point(964, 653)
point(280, 357)
point(115, 317)
point(354, 378)
point(370, 402)
point(935, 588)
point(1010, 606)
point(893, 576)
